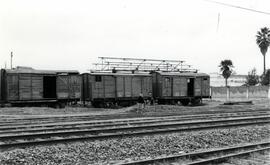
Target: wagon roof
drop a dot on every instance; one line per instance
(34, 71)
(119, 74)
(182, 74)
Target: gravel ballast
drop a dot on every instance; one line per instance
(133, 148)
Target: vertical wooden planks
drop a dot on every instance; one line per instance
(109, 86)
(98, 86)
(167, 86)
(12, 87)
(88, 85)
(128, 87)
(146, 86)
(62, 87)
(37, 87)
(25, 87)
(176, 86)
(91, 83)
(198, 86)
(183, 86)
(205, 86)
(120, 86)
(74, 86)
(136, 86)
(159, 85)
(68, 86)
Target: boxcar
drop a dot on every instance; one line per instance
(27, 86)
(106, 89)
(171, 87)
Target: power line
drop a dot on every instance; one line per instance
(239, 7)
(218, 22)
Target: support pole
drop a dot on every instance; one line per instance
(11, 56)
(228, 93)
(247, 92)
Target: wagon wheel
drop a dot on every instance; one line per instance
(184, 102)
(173, 102)
(95, 104)
(196, 101)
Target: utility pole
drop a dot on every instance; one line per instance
(11, 56)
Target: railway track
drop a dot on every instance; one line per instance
(28, 128)
(205, 157)
(113, 130)
(43, 120)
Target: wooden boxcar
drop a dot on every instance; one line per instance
(105, 89)
(171, 87)
(26, 86)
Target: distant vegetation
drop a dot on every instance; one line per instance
(265, 78)
(253, 79)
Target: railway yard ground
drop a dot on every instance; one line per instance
(80, 135)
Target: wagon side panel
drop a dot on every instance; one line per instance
(62, 83)
(89, 86)
(109, 86)
(147, 86)
(128, 86)
(74, 87)
(25, 87)
(37, 87)
(198, 87)
(1, 91)
(206, 86)
(136, 86)
(167, 86)
(120, 86)
(176, 86)
(97, 86)
(3, 88)
(183, 86)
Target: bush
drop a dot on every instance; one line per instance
(265, 79)
(252, 78)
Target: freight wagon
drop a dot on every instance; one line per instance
(27, 86)
(107, 89)
(186, 87)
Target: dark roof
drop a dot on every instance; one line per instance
(187, 74)
(29, 70)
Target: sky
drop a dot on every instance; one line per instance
(72, 34)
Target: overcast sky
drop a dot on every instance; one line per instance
(72, 34)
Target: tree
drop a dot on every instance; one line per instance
(226, 69)
(263, 41)
(252, 78)
(265, 78)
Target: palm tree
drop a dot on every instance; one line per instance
(226, 69)
(263, 41)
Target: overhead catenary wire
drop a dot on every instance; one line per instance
(239, 7)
